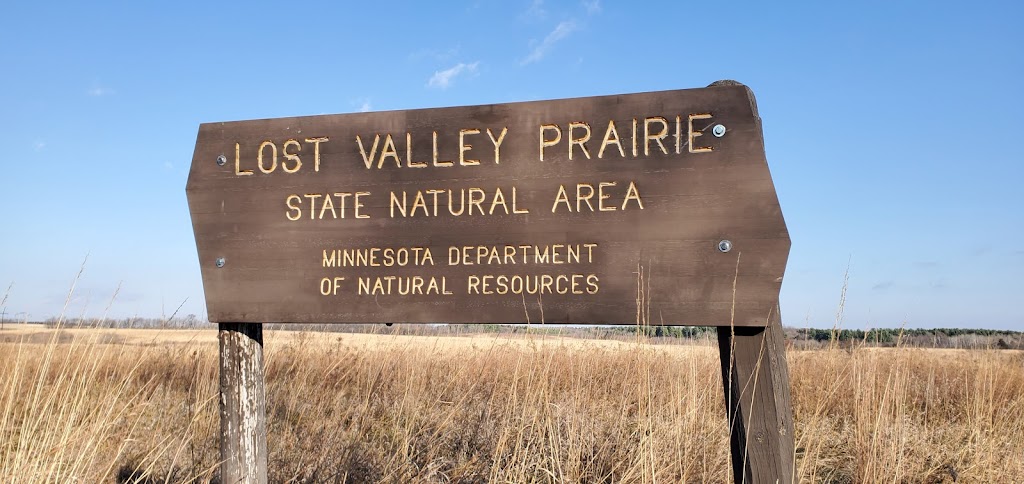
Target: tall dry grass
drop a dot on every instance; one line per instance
(79, 409)
(91, 406)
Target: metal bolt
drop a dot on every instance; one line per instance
(725, 246)
(222, 160)
(718, 130)
(220, 262)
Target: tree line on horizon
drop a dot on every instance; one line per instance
(799, 338)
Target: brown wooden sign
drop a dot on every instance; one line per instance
(655, 208)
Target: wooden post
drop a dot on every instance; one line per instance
(243, 429)
(756, 382)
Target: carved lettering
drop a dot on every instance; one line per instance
(605, 198)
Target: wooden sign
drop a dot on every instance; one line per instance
(653, 208)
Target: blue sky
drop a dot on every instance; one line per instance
(892, 128)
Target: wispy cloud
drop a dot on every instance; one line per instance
(536, 10)
(443, 79)
(39, 145)
(361, 104)
(98, 91)
(593, 6)
(562, 30)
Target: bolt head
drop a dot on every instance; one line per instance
(222, 160)
(718, 130)
(725, 246)
(220, 262)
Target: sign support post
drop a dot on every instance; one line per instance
(756, 382)
(243, 404)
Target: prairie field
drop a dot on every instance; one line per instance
(120, 405)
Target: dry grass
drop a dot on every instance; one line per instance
(134, 405)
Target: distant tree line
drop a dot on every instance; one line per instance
(926, 338)
(798, 338)
(174, 322)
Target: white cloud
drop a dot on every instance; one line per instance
(592, 6)
(536, 10)
(443, 79)
(360, 104)
(100, 91)
(561, 31)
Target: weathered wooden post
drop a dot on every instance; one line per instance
(756, 382)
(243, 436)
(624, 209)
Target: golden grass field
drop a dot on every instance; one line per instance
(141, 406)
